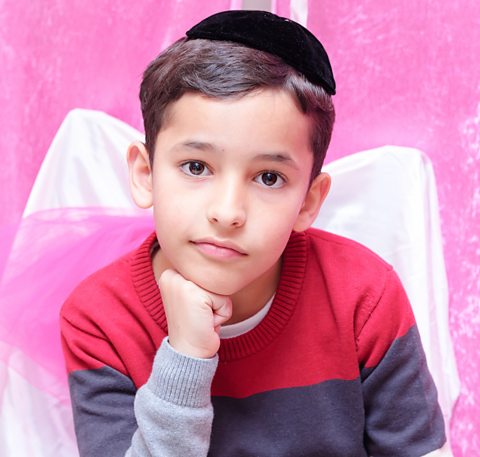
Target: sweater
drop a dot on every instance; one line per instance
(336, 367)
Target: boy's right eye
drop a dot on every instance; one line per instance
(194, 168)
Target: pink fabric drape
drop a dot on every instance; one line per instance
(52, 252)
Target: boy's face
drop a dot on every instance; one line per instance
(230, 182)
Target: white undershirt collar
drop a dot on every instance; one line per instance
(233, 330)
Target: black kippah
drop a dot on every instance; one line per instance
(265, 31)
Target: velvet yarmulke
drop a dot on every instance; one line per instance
(279, 36)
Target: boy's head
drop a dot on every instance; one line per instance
(239, 137)
(234, 53)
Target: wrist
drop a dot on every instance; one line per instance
(181, 380)
(187, 349)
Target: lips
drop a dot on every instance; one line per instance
(219, 248)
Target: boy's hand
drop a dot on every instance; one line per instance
(194, 316)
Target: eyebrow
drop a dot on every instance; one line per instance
(200, 145)
(278, 157)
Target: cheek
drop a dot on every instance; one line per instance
(278, 216)
(175, 207)
(271, 234)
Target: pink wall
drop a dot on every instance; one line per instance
(408, 73)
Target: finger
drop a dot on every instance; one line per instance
(222, 309)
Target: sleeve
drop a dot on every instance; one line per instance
(402, 414)
(170, 415)
(173, 409)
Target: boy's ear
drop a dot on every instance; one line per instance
(140, 174)
(313, 201)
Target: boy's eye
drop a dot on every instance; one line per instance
(270, 179)
(195, 168)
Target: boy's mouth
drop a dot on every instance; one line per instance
(219, 248)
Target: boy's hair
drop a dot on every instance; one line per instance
(222, 69)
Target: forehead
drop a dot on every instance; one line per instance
(264, 120)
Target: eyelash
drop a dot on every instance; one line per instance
(274, 173)
(185, 167)
(190, 162)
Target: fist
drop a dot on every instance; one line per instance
(194, 315)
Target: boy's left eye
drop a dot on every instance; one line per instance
(270, 179)
(194, 168)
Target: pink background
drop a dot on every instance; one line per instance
(408, 73)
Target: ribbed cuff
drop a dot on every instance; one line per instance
(182, 380)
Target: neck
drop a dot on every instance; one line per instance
(253, 297)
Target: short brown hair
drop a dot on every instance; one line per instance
(222, 69)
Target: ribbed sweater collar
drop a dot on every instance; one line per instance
(294, 261)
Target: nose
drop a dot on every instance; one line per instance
(227, 205)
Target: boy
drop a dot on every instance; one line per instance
(235, 330)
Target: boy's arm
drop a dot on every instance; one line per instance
(173, 409)
(174, 406)
(402, 414)
(101, 394)
(173, 413)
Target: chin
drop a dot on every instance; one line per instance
(218, 287)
